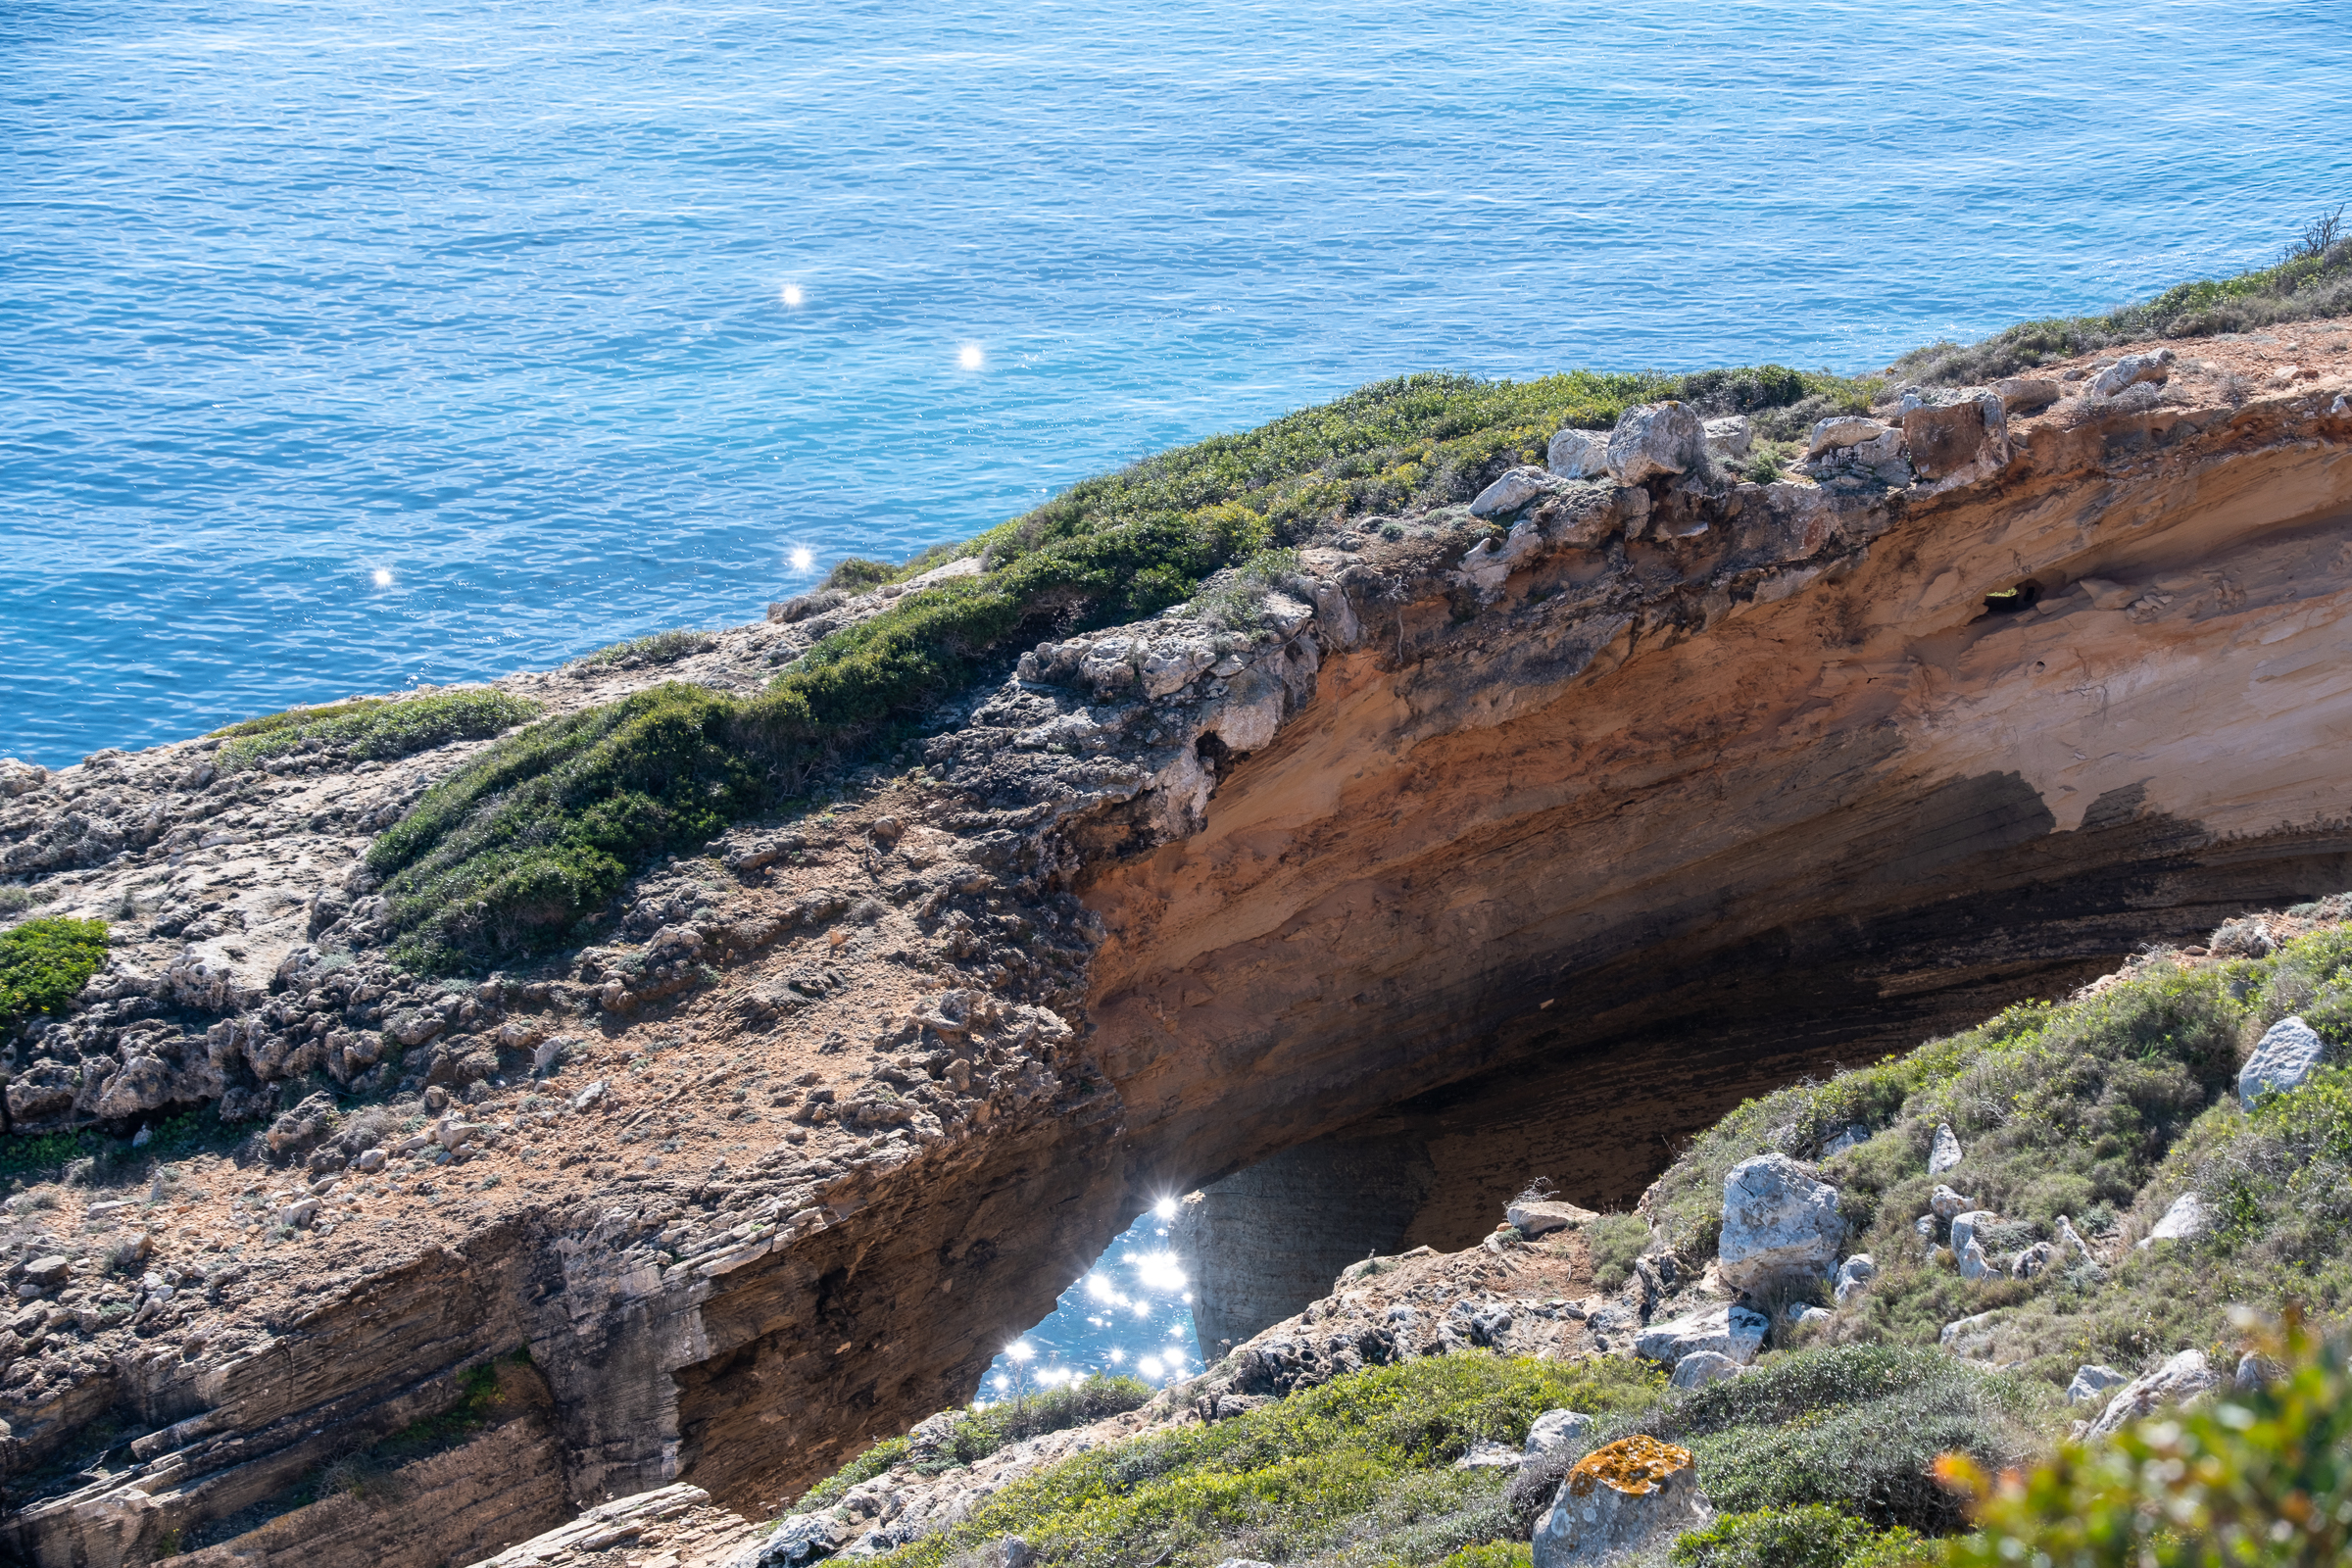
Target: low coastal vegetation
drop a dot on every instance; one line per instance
(508, 855)
(373, 728)
(648, 652)
(2313, 278)
(2095, 1116)
(43, 964)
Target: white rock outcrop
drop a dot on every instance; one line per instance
(1946, 1154)
(2188, 1217)
(2284, 1060)
(1555, 1430)
(2092, 1381)
(1853, 1275)
(1705, 1367)
(1727, 1330)
(2184, 1377)
(1777, 1221)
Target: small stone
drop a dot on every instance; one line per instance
(1947, 1153)
(2284, 1060)
(1852, 1275)
(1540, 1216)
(370, 1160)
(47, 1273)
(2031, 1262)
(435, 1098)
(1947, 1203)
(2022, 394)
(2092, 1381)
(591, 1097)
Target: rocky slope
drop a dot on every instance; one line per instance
(1525, 836)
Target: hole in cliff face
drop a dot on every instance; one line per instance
(1129, 1315)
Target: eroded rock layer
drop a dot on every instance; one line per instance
(1517, 841)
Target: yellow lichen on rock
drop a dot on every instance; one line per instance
(1638, 1465)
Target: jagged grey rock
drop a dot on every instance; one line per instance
(2031, 1262)
(1728, 436)
(1540, 1216)
(1946, 1152)
(2284, 1060)
(1654, 439)
(1853, 1136)
(1510, 493)
(1965, 1226)
(2092, 1381)
(2184, 1377)
(1727, 1329)
(1853, 1275)
(1777, 1220)
(1577, 453)
(1593, 1521)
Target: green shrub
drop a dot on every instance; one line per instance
(372, 727)
(2311, 279)
(980, 1433)
(855, 575)
(2257, 1476)
(1616, 1240)
(45, 963)
(1491, 1555)
(1363, 1461)
(867, 1465)
(1812, 1536)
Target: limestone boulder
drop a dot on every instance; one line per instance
(1947, 1203)
(2284, 1060)
(1946, 1152)
(1955, 437)
(1555, 1430)
(2184, 1377)
(2131, 370)
(1577, 453)
(1728, 437)
(2186, 1218)
(1654, 440)
(1853, 1275)
(1540, 1216)
(1727, 1329)
(1619, 1500)
(1513, 490)
(2026, 394)
(1778, 1222)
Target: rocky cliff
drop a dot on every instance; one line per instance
(1526, 835)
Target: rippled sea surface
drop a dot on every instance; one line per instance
(344, 345)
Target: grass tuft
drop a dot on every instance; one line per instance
(649, 651)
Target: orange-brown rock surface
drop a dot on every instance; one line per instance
(1519, 845)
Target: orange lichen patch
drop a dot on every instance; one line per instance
(1637, 1464)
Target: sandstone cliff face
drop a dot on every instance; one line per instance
(1514, 846)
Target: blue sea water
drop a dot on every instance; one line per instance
(345, 344)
